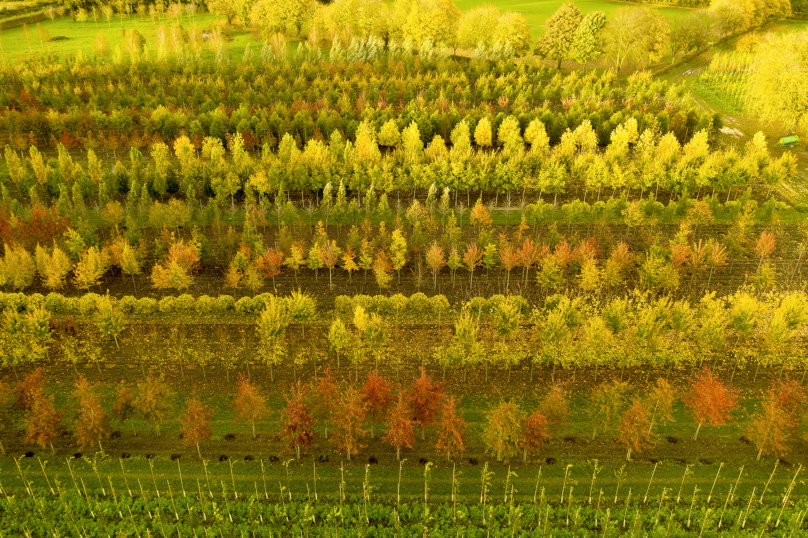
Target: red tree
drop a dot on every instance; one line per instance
(770, 428)
(92, 422)
(348, 417)
(790, 397)
(451, 430)
(400, 426)
(424, 398)
(298, 423)
(249, 405)
(535, 433)
(195, 423)
(509, 258)
(42, 420)
(271, 263)
(27, 389)
(710, 401)
(326, 397)
(634, 430)
(377, 396)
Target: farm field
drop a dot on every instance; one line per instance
(278, 283)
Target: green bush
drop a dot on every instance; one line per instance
(54, 302)
(35, 300)
(166, 304)
(205, 304)
(365, 301)
(418, 304)
(440, 304)
(88, 303)
(381, 305)
(185, 303)
(146, 305)
(71, 305)
(398, 303)
(301, 306)
(224, 303)
(127, 304)
(343, 304)
(246, 305)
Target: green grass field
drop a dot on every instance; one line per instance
(538, 11)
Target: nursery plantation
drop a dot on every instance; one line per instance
(290, 268)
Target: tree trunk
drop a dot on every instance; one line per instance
(628, 456)
(398, 453)
(253, 428)
(198, 451)
(697, 432)
(100, 447)
(53, 450)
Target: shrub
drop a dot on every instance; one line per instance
(418, 304)
(71, 305)
(439, 303)
(205, 304)
(54, 302)
(246, 305)
(127, 304)
(342, 304)
(398, 303)
(224, 303)
(381, 305)
(185, 303)
(365, 301)
(35, 300)
(88, 303)
(166, 304)
(146, 305)
(478, 305)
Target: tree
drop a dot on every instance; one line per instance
(272, 324)
(195, 423)
(26, 391)
(42, 420)
(586, 42)
(250, 406)
(400, 426)
(559, 33)
(123, 408)
(153, 400)
(422, 20)
(503, 430)
(451, 430)
(52, 267)
(608, 402)
(297, 424)
(710, 401)
(377, 396)
(6, 399)
(780, 81)
(770, 427)
(270, 263)
(109, 319)
(398, 251)
(424, 398)
(634, 432)
(436, 260)
(555, 407)
(348, 418)
(92, 422)
(535, 433)
(326, 396)
(279, 16)
(661, 399)
(472, 257)
(338, 337)
(640, 33)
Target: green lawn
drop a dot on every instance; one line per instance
(538, 11)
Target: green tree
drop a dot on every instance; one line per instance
(278, 16)
(422, 20)
(586, 43)
(109, 319)
(559, 33)
(504, 430)
(272, 325)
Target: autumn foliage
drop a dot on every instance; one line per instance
(400, 426)
(634, 430)
(535, 433)
(451, 430)
(92, 421)
(424, 398)
(377, 396)
(195, 423)
(710, 401)
(296, 420)
(250, 406)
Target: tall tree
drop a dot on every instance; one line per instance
(377, 395)
(607, 405)
(297, 424)
(559, 33)
(586, 42)
(250, 406)
(503, 430)
(710, 401)
(661, 399)
(400, 426)
(109, 319)
(348, 419)
(555, 407)
(281, 16)
(769, 428)
(451, 430)
(195, 423)
(42, 420)
(272, 324)
(123, 408)
(326, 397)
(634, 432)
(153, 400)
(25, 391)
(338, 337)
(535, 433)
(424, 398)
(92, 421)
